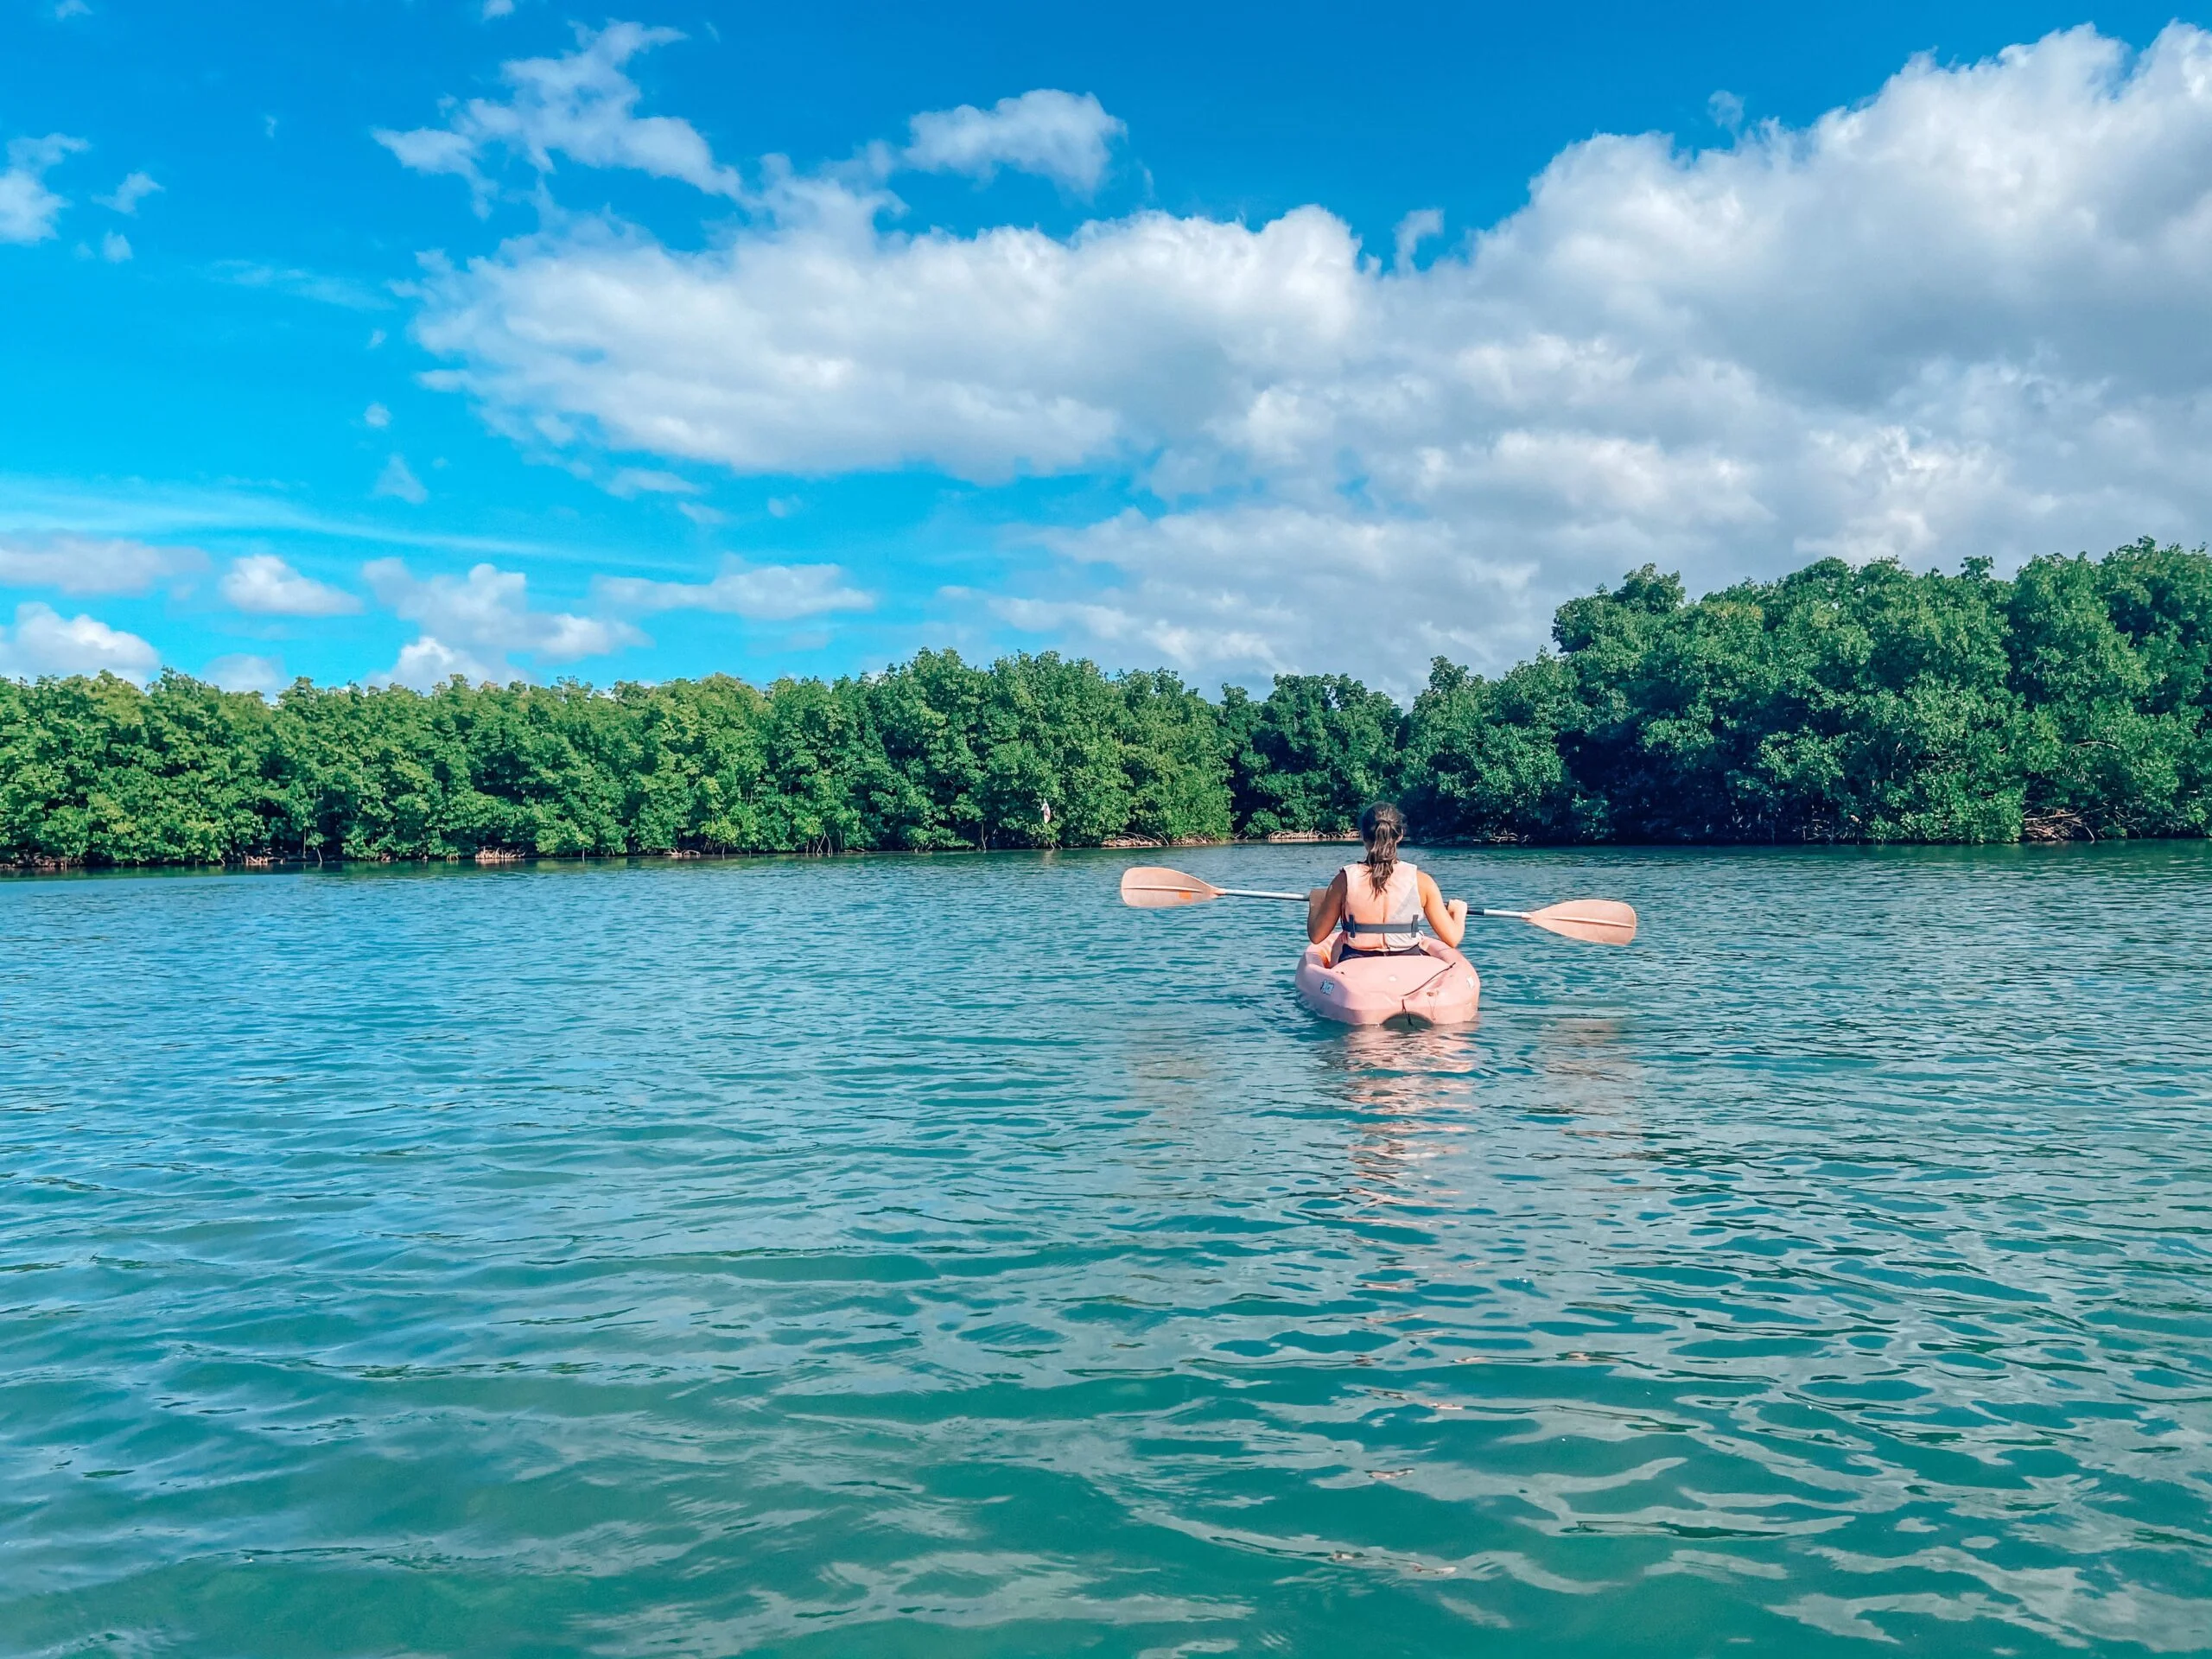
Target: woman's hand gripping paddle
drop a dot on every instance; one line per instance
(1600, 921)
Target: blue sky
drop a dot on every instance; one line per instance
(375, 339)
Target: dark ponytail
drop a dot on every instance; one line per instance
(1382, 827)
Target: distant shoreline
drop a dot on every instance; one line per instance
(539, 861)
(496, 858)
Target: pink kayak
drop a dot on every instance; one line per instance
(1437, 987)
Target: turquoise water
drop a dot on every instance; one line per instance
(928, 1257)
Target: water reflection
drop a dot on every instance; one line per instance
(1585, 1070)
(1417, 1095)
(1408, 1096)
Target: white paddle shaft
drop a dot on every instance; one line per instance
(1255, 893)
(1300, 898)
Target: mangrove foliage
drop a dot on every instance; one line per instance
(1859, 703)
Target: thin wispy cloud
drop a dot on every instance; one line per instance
(126, 196)
(133, 508)
(92, 565)
(398, 481)
(764, 593)
(322, 287)
(650, 480)
(581, 108)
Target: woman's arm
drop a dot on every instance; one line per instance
(1325, 907)
(1449, 920)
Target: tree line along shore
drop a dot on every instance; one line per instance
(1838, 703)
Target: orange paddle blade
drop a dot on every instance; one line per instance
(1149, 887)
(1601, 921)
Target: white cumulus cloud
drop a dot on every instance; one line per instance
(427, 662)
(582, 106)
(28, 208)
(43, 641)
(241, 672)
(472, 624)
(92, 565)
(762, 593)
(1057, 135)
(821, 344)
(264, 585)
(1972, 314)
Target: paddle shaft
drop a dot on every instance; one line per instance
(1300, 898)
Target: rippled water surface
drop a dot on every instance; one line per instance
(927, 1257)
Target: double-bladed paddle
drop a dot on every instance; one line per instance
(1600, 921)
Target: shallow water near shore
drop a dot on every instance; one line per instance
(925, 1256)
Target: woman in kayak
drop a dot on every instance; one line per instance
(1382, 889)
